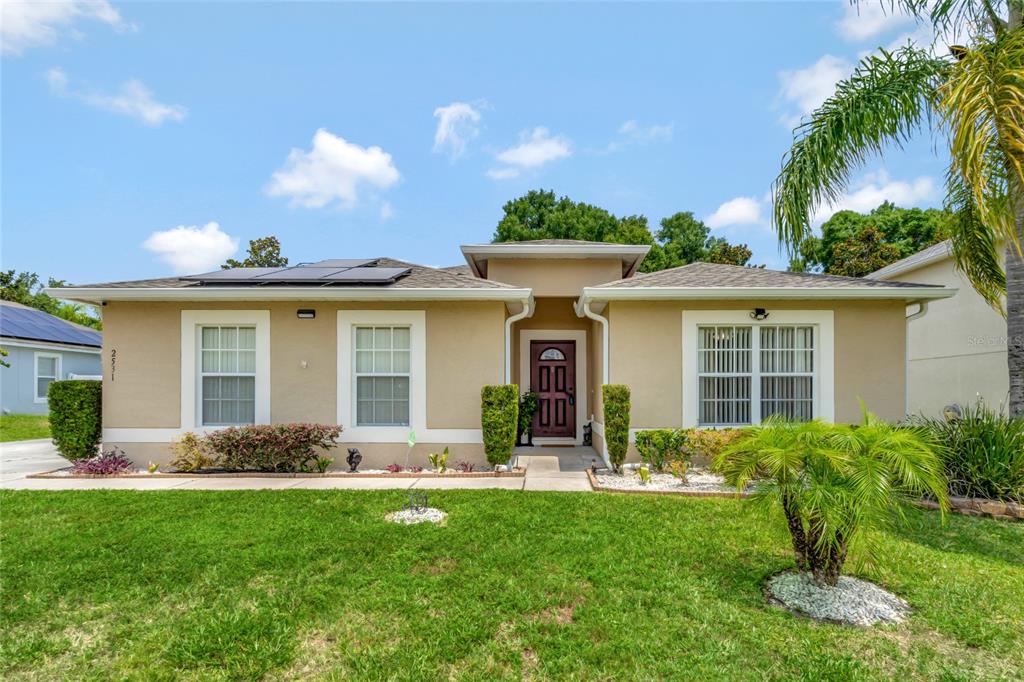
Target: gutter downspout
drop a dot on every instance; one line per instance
(527, 311)
(583, 310)
(922, 310)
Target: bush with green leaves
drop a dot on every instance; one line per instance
(271, 447)
(659, 447)
(190, 453)
(76, 417)
(499, 417)
(616, 422)
(707, 444)
(528, 403)
(983, 453)
(835, 484)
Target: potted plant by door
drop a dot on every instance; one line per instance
(527, 408)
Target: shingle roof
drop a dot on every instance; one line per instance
(21, 322)
(419, 277)
(463, 270)
(923, 257)
(705, 275)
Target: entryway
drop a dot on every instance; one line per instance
(553, 378)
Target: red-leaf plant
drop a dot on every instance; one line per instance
(271, 447)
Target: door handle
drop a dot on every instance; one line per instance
(572, 398)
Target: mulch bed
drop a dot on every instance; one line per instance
(56, 474)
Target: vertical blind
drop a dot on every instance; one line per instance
(382, 376)
(228, 372)
(749, 372)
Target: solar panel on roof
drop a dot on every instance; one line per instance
(370, 275)
(231, 274)
(28, 323)
(340, 263)
(297, 274)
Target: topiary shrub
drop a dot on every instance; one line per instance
(271, 447)
(499, 417)
(76, 417)
(616, 422)
(658, 447)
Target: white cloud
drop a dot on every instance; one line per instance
(503, 173)
(456, 125)
(632, 132)
(334, 170)
(191, 249)
(133, 99)
(865, 20)
(536, 148)
(876, 188)
(32, 23)
(738, 211)
(808, 88)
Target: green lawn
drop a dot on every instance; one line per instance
(23, 427)
(286, 584)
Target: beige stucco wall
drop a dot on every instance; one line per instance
(646, 354)
(465, 350)
(554, 277)
(958, 349)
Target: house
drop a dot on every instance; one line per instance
(41, 348)
(385, 347)
(957, 352)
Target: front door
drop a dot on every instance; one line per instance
(553, 378)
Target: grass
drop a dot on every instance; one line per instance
(23, 427)
(314, 584)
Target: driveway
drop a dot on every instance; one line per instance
(21, 458)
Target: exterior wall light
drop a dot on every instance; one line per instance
(759, 314)
(306, 313)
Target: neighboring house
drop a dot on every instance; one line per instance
(384, 347)
(957, 352)
(42, 348)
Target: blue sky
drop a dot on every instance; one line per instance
(144, 139)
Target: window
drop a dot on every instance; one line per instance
(746, 373)
(552, 354)
(47, 371)
(227, 375)
(382, 371)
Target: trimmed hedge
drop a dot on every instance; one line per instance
(271, 447)
(616, 422)
(499, 417)
(659, 447)
(76, 417)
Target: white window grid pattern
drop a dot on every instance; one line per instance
(747, 372)
(227, 374)
(382, 371)
(47, 377)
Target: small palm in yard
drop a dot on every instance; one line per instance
(834, 483)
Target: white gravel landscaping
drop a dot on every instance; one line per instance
(852, 601)
(697, 480)
(411, 516)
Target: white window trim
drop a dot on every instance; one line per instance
(582, 393)
(824, 356)
(35, 373)
(191, 321)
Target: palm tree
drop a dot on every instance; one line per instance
(834, 483)
(975, 98)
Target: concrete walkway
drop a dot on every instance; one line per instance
(543, 472)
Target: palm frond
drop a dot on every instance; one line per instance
(982, 100)
(975, 247)
(885, 101)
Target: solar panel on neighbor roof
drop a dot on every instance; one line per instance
(26, 323)
(297, 274)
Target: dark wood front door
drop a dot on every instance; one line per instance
(553, 378)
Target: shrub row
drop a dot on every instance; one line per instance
(257, 447)
(661, 447)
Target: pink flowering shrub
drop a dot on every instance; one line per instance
(271, 447)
